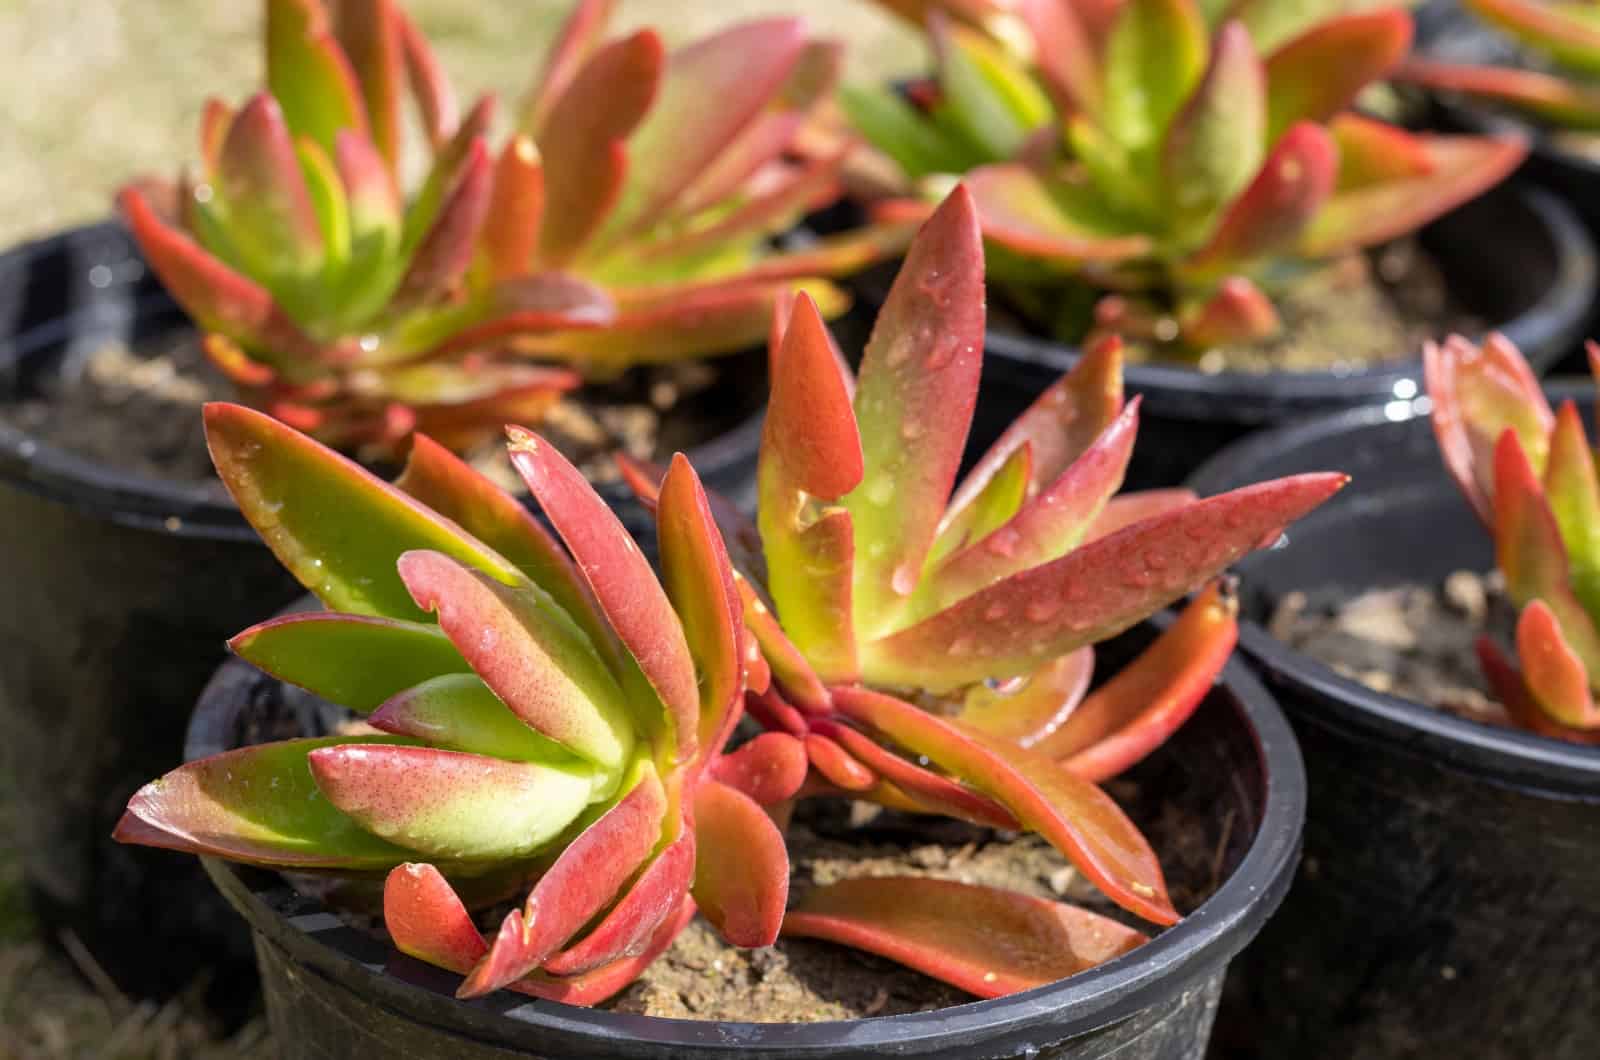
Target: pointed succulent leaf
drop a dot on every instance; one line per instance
(769, 768)
(923, 790)
(368, 33)
(1128, 508)
(535, 309)
(699, 582)
(711, 91)
(1319, 73)
(457, 712)
(355, 661)
(529, 652)
(1372, 151)
(1478, 392)
(257, 805)
(789, 667)
(897, 128)
(335, 526)
(1076, 817)
(1066, 55)
(618, 574)
(436, 100)
(1153, 60)
(999, 498)
(809, 449)
(741, 873)
(585, 160)
(1025, 213)
(1567, 32)
(1508, 686)
(738, 530)
(580, 34)
(1049, 525)
(915, 396)
(308, 73)
(1061, 423)
(1218, 139)
(1273, 23)
(627, 928)
(1288, 190)
(445, 172)
(1529, 550)
(594, 987)
(586, 877)
(1463, 168)
(441, 259)
(1574, 495)
(215, 296)
(454, 489)
(447, 804)
(1236, 312)
(1133, 713)
(989, 96)
(984, 940)
(328, 200)
(1550, 97)
(1030, 712)
(517, 210)
(270, 214)
(1091, 593)
(1551, 669)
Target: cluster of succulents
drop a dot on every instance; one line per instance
(627, 219)
(1561, 87)
(1184, 160)
(534, 712)
(1530, 475)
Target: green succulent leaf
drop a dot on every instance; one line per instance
(993, 100)
(1153, 59)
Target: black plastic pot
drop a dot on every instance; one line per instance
(1448, 904)
(334, 992)
(1517, 257)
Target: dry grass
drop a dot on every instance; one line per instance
(96, 91)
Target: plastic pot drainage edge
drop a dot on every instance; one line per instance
(1449, 897)
(339, 991)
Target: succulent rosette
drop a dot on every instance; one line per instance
(1187, 160)
(628, 219)
(533, 713)
(931, 645)
(1529, 473)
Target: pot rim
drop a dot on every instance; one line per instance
(1505, 755)
(1542, 330)
(1201, 943)
(142, 501)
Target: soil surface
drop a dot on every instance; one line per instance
(1358, 311)
(1412, 641)
(137, 408)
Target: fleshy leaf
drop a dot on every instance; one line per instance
(589, 873)
(517, 208)
(627, 929)
(1076, 817)
(915, 395)
(355, 661)
(1567, 32)
(1288, 190)
(1125, 509)
(1024, 213)
(1000, 498)
(335, 526)
(457, 712)
(1091, 593)
(1371, 151)
(1133, 713)
(1478, 392)
(1463, 168)
(1153, 59)
(577, 40)
(741, 878)
(308, 73)
(436, 102)
(991, 98)
(441, 259)
(1555, 676)
(618, 574)
(769, 768)
(986, 941)
(1574, 496)
(370, 37)
(699, 582)
(837, 765)
(270, 216)
(927, 791)
(1029, 713)
(1320, 72)
(529, 652)
(1217, 141)
(1236, 312)
(256, 805)
(447, 804)
(789, 666)
(1550, 97)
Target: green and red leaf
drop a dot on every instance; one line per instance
(741, 878)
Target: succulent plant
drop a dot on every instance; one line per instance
(1564, 37)
(1530, 475)
(627, 220)
(532, 713)
(898, 624)
(1185, 159)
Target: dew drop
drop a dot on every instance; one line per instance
(904, 579)
(1043, 609)
(961, 646)
(880, 490)
(995, 611)
(1003, 542)
(910, 430)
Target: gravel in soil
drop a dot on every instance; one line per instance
(1412, 641)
